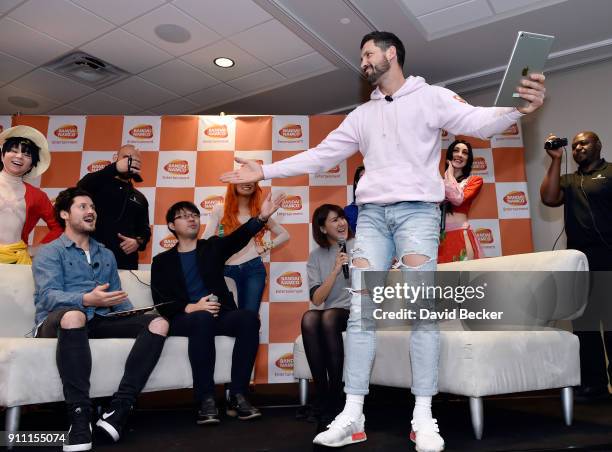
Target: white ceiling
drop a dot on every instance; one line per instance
(292, 56)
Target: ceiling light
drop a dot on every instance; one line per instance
(224, 62)
(345, 21)
(24, 102)
(172, 33)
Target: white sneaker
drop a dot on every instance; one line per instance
(425, 435)
(342, 431)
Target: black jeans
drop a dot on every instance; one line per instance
(201, 328)
(73, 355)
(593, 369)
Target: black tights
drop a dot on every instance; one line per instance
(322, 336)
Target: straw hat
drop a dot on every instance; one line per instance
(38, 139)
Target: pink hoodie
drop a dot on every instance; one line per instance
(400, 142)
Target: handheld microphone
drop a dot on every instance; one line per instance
(345, 267)
(388, 98)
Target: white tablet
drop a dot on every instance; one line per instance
(528, 56)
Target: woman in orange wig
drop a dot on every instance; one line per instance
(246, 268)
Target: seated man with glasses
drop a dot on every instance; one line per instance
(189, 275)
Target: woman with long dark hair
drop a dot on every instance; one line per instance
(322, 326)
(246, 268)
(458, 241)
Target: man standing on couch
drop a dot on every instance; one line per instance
(189, 274)
(398, 133)
(76, 286)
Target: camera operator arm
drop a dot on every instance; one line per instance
(550, 190)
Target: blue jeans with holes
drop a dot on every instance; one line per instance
(250, 278)
(383, 232)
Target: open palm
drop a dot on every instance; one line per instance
(250, 171)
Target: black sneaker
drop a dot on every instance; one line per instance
(79, 433)
(240, 407)
(113, 420)
(208, 412)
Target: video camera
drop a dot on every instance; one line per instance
(555, 143)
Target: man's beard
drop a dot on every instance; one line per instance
(377, 71)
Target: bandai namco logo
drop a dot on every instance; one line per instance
(142, 131)
(293, 202)
(291, 280)
(479, 164)
(516, 198)
(292, 131)
(484, 235)
(285, 362)
(334, 170)
(211, 201)
(216, 131)
(67, 132)
(177, 166)
(168, 242)
(512, 130)
(97, 165)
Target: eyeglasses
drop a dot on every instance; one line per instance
(187, 216)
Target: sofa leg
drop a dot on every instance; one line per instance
(11, 424)
(477, 414)
(567, 401)
(303, 391)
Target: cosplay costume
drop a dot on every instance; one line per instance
(22, 204)
(453, 245)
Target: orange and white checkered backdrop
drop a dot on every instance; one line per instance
(183, 157)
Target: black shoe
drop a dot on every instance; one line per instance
(208, 412)
(79, 434)
(240, 407)
(590, 393)
(113, 420)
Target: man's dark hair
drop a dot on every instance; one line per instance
(26, 146)
(467, 169)
(383, 40)
(63, 202)
(176, 208)
(318, 220)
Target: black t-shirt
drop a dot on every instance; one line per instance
(588, 208)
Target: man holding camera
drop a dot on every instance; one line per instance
(587, 197)
(123, 211)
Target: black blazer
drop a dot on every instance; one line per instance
(168, 282)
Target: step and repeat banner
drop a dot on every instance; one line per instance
(183, 157)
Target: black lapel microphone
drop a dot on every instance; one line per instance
(388, 98)
(345, 267)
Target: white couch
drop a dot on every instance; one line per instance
(482, 363)
(28, 373)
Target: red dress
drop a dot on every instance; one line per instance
(453, 245)
(38, 206)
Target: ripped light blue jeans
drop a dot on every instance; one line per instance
(383, 232)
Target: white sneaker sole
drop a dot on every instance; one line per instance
(109, 429)
(358, 437)
(76, 447)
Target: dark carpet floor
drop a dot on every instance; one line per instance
(533, 422)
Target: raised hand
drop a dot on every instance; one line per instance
(268, 207)
(250, 171)
(533, 91)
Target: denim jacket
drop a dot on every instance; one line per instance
(62, 276)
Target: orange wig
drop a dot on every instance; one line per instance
(230, 220)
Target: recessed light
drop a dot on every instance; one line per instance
(224, 62)
(172, 33)
(345, 21)
(25, 102)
